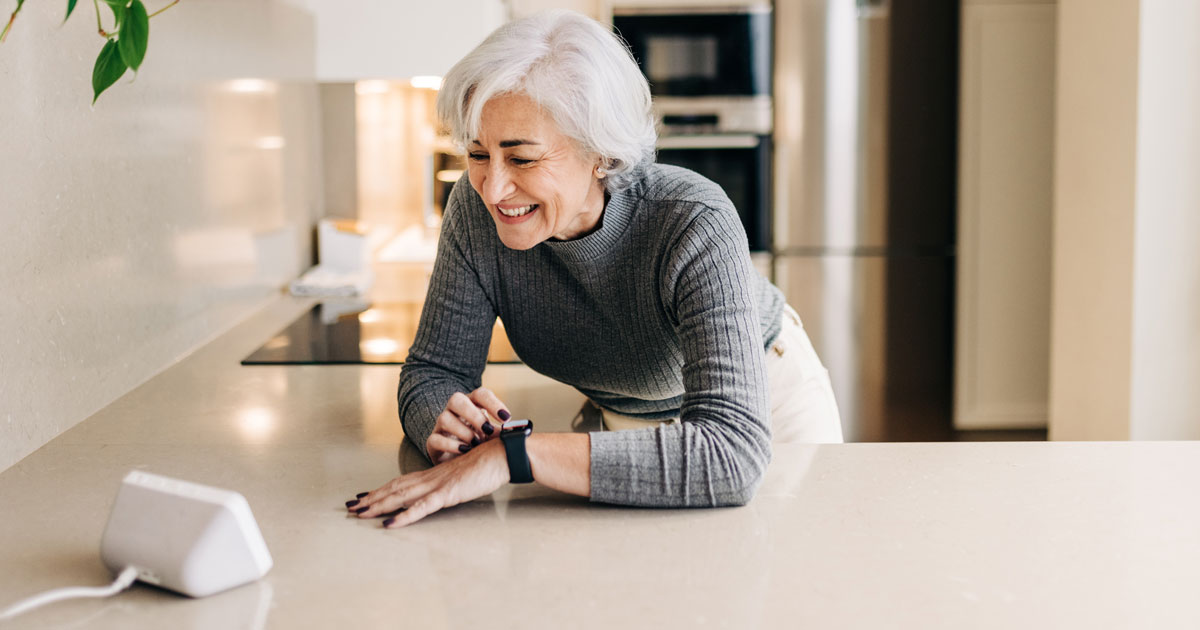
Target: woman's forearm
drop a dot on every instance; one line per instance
(561, 461)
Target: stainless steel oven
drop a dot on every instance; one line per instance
(740, 164)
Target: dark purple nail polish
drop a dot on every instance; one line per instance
(463, 448)
(351, 503)
(504, 415)
(474, 441)
(487, 427)
(361, 495)
(388, 522)
(362, 509)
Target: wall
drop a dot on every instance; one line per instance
(1165, 391)
(1126, 286)
(339, 148)
(1092, 283)
(135, 231)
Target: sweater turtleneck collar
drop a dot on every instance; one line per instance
(618, 215)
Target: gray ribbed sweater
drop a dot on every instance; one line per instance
(658, 313)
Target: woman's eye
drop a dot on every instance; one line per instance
(521, 161)
(477, 157)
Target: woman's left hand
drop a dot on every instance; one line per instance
(481, 471)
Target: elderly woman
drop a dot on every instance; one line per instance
(629, 280)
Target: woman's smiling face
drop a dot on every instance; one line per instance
(536, 182)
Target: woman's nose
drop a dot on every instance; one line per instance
(497, 184)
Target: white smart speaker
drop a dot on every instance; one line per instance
(193, 539)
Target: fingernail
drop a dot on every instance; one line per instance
(474, 441)
(352, 503)
(361, 495)
(362, 509)
(388, 522)
(504, 415)
(488, 428)
(463, 448)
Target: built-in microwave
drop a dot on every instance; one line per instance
(700, 50)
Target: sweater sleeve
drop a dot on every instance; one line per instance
(451, 345)
(719, 452)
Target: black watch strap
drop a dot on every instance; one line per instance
(513, 434)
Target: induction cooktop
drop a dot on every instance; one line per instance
(351, 332)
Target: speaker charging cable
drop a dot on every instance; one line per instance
(124, 579)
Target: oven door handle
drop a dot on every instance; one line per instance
(711, 141)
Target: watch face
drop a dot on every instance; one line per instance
(517, 426)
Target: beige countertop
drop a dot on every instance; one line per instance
(955, 535)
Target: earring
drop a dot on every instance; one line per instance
(600, 173)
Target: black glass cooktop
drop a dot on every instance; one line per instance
(342, 332)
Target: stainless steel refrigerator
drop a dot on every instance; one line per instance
(865, 163)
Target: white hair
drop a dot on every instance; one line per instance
(574, 68)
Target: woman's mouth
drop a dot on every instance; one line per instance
(515, 213)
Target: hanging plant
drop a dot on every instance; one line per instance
(124, 45)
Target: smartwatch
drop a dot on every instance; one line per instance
(513, 434)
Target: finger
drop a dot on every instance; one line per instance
(364, 501)
(451, 424)
(467, 412)
(440, 445)
(405, 495)
(462, 406)
(489, 401)
(418, 510)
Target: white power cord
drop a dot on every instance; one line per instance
(124, 579)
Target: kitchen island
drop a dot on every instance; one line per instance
(950, 535)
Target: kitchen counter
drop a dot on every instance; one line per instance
(952, 535)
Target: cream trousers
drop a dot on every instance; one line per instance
(802, 404)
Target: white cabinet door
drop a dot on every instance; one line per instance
(596, 9)
(397, 39)
(1005, 207)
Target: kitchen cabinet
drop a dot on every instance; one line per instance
(386, 39)
(597, 9)
(1006, 144)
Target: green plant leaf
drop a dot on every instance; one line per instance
(118, 11)
(70, 8)
(109, 68)
(135, 33)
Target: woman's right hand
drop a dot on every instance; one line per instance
(465, 422)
